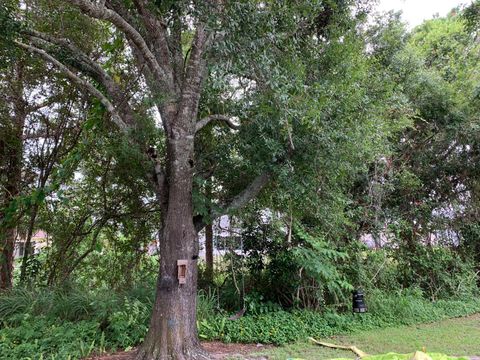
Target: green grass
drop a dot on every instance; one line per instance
(460, 336)
(304, 351)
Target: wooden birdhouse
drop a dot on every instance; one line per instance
(182, 271)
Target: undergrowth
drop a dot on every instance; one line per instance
(59, 324)
(283, 327)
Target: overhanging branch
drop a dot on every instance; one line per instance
(83, 63)
(116, 118)
(239, 201)
(103, 13)
(250, 192)
(206, 120)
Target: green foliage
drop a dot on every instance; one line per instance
(9, 28)
(74, 322)
(472, 15)
(255, 304)
(299, 272)
(207, 304)
(280, 327)
(318, 259)
(128, 326)
(371, 269)
(70, 323)
(39, 339)
(361, 128)
(439, 272)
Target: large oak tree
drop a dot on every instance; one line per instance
(281, 92)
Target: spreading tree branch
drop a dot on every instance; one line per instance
(250, 192)
(239, 201)
(103, 13)
(116, 118)
(206, 120)
(157, 36)
(91, 68)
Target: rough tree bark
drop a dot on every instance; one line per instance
(173, 333)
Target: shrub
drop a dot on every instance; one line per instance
(280, 327)
(40, 338)
(127, 327)
(57, 325)
(439, 271)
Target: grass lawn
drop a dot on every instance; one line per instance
(459, 336)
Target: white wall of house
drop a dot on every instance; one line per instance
(39, 241)
(225, 232)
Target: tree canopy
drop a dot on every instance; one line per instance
(126, 121)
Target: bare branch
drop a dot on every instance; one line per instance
(239, 201)
(206, 120)
(116, 118)
(103, 13)
(250, 192)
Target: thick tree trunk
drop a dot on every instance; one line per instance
(173, 330)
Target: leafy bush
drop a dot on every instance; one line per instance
(64, 304)
(439, 271)
(370, 269)
(127, 327)
(39, 338)
(59, 324)
(255, 304)
(302, 272)
(280, 327)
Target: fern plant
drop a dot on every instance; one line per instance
(318, 262)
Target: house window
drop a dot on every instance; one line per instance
(20, 249)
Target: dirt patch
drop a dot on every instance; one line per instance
(218, 350)
(123, 355)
